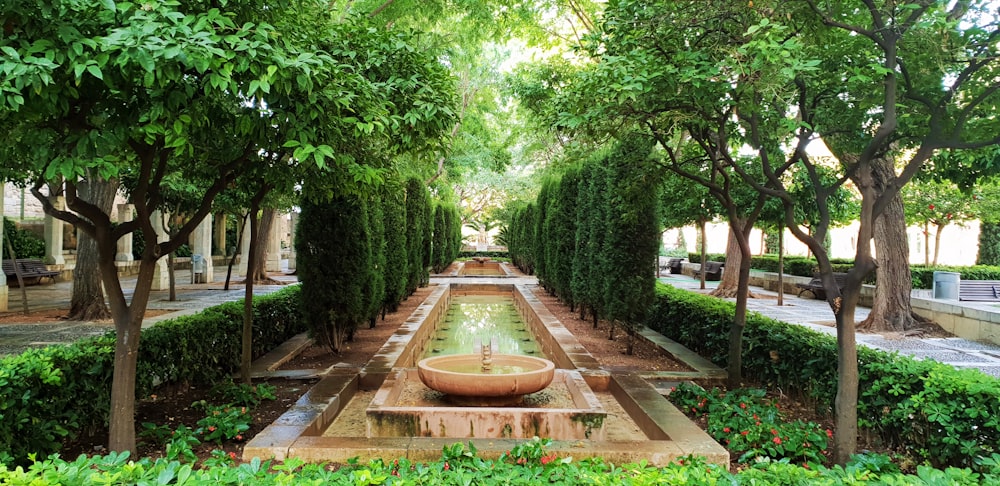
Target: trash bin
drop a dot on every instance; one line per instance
(197, 268)
(946, 285)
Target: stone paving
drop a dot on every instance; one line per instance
(817, 315)
(16, 336)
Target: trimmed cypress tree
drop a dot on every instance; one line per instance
(989, 244)
(427, 206)
(583, 248)
(396, 264)
(540, 236)
(562, 235)
(632, 236)
(596, 234)
(375, 287)
(415, 223)
(439, 246)
(334, 267)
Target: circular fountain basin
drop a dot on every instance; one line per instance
(510, 378)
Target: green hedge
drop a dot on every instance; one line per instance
(489, 254)
(932, 411)
(922, 276)
(62, 391)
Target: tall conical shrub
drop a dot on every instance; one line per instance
(989, 244)
(334, 266)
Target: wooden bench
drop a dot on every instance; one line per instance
(674, 265)
(32, 271)
(979, 290)
(713, 270)
(816, 285)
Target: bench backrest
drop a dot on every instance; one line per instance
(983, 290)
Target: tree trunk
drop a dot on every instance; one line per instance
(128, 325)
(781, 265)
(845, 442)
(247, 350)
(927, 243)
(937, 242)
(232, 259)
(87, 301)
(704, 250)
(259, 252)
(891, 309)
(730, 283)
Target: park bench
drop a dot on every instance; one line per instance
(816, 285)
(713, 270)
(32, 271)
(979, 290)
(674, 264)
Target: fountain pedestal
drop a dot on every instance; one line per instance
(394, 412)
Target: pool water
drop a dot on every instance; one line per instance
(482, 318)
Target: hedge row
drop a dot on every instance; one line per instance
(62, 391)
(933, 411)
(922, 276)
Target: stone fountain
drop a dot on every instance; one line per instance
(486, 379)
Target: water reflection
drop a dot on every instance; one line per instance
(475, 318)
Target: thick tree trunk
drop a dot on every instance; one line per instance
(891, 309)
(845, 442)
(128, 325)
(87, 301)
(259, 252)
(730, 283)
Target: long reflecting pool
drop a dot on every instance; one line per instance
(472, 319)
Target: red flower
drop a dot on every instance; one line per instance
(743, 406)
(447, 467)
(232, 455)
(829, 433)
(776, 440)
(239, 437)
(211, 428)
(726, 430)
(930, 206)
(745, 432)
(774, 432)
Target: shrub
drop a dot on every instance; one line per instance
(26, 244)
(52, 393)
(935, 412)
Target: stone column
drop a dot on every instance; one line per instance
(241, 269)
(220, 234)
(126, 212)
(292, 223)
(201, 243)
(3, 254)
(161, 279)
(273, 263)
(54, 235)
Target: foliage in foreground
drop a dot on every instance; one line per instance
(529, 463)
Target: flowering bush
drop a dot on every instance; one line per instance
(225, 422)
(752, 426)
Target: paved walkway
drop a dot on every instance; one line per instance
(817, 315)
(16, 336)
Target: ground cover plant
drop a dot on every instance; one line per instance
(751, 427)
(529, 463)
